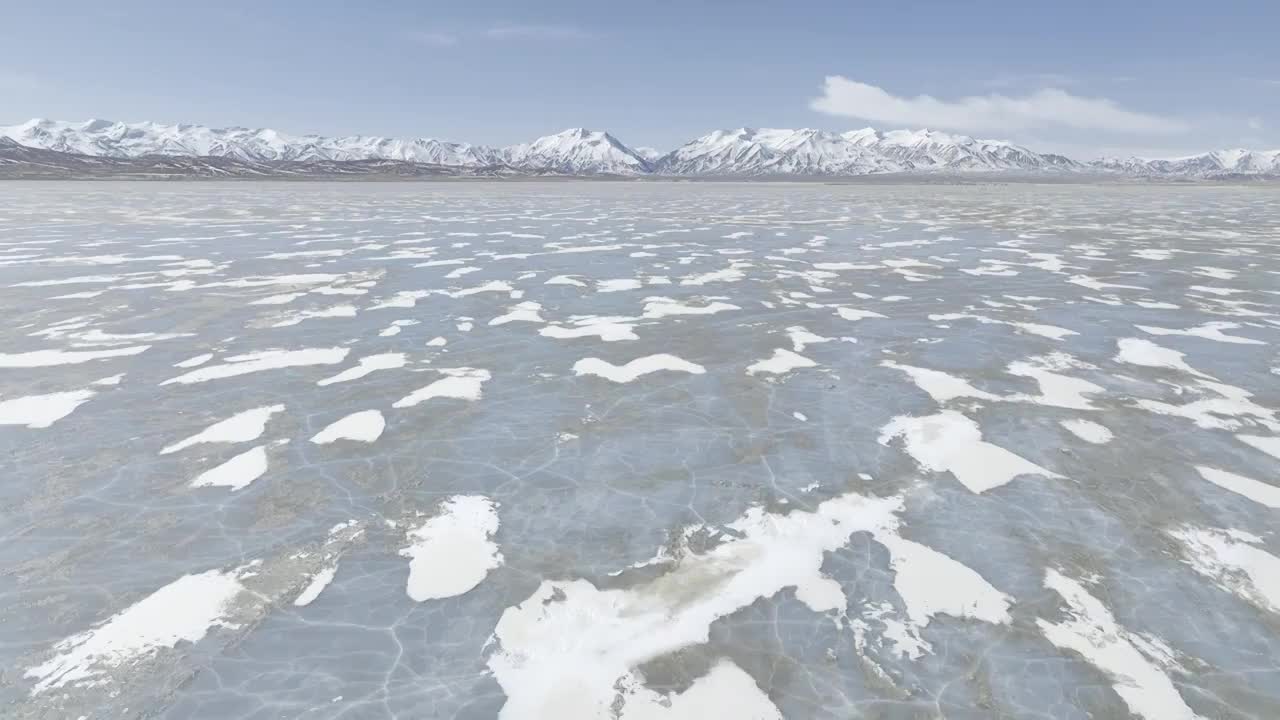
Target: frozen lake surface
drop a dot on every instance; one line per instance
(639, 451)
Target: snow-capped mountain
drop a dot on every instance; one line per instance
(767, 151)
(577, 152)
(860, 152)
(104, 138)
(1204, 165)
(743, 152)
(930, 150)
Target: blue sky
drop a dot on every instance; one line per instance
(1080, 77)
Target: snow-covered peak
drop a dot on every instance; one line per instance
(865, 136)
(577, 151)
(109, 138)
(807, 151)
(1235, 161)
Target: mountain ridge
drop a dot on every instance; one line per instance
(741, 152)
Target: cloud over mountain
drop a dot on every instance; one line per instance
(994, 112)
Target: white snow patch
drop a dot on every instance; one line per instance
(241, 427)
(931, 583)
(196, 361)
(659, 307)
(618, 285)
(1056, 389)
(459, 384)
(318, 583)
(527, 311)
(565, 280)
(491, 286)
(363, 426)
(452, 552)
(1088, 431)
(336, 311)
(1092, 631)
(802, 338)
(951, 442)
(183, 610)
(1208, 331)
(402, 299)
(1230, 560)
(1137, 351)
(782, 361)
(41, 411)
(730, 274)
(1259, 492)
(46, 358)
(570, 650)
(366, 365)
(1219, 412)
(608, 329)
(260, 361)
(853, 314)
(237, 472)
(635, 368)
(942, 387)
(1268, 445)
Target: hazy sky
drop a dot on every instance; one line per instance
(1080, 77)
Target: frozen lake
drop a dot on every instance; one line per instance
(639, 450)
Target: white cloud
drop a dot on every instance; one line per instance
(1254, 123)
(1043, 108)
(435, 39)
(544, 32)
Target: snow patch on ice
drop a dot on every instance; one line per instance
(364, 426)
(1257, 491)
(182, 611)
(366, 365)
(237, 472)
(781, 362)
(241, 427)
(458, 383)
(260, 361)
(1088, 431)
(41, 411)
(951, 442)
(451, 553)
(1092, 631)
(634, 369)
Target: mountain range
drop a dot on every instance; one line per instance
(146, 148)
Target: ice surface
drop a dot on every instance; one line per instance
(639, 450)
